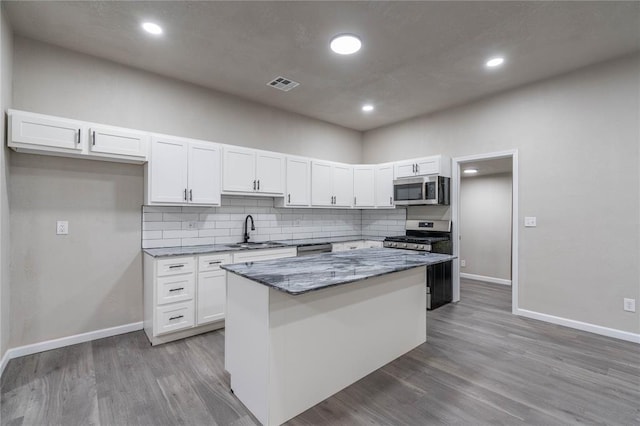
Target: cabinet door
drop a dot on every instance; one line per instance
(239, 169)
(405, 169)
(204, 173)
(270, 172)
(212, 296)
(119, 142)
(37, 131)
(298, 182)
(384, 185)
(363, 186)
(428, 166)
(168, 171)
(321, 183)
(343, 185)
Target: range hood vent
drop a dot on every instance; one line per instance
(283, 83)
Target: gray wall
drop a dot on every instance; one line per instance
(485, 225)
(92, 278)
(578, 139)
(6, 68)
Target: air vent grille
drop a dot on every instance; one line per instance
(283, 83)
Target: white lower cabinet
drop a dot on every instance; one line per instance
(212, 288)
(187, 295)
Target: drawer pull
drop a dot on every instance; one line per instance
(176, 266)
(215, 262)
(176, 289)
(176, 317)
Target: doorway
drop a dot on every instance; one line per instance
(504, 167)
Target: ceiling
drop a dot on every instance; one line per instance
(416, 58)
(487, 167)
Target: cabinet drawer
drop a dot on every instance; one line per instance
(174, 317)
(257, 255)
(175, 265)
(212, 262)
(373, 244)
(175, 288)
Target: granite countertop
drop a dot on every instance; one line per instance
(299, 275)
(195, 250)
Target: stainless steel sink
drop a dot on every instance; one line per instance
(264, 245)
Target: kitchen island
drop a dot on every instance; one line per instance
(299, 330)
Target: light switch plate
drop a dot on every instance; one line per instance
(630, 305)
(62, 227)
(530, 221)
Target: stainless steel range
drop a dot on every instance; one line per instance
(433, 236)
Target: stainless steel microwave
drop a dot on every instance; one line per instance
(423, 190)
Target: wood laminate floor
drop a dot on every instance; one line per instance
(480, 365)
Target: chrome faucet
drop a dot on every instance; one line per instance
(246, 231)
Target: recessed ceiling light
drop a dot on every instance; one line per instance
(152, 28)
(345, 44)
(367, 108)
(470, 171)
(495, 62)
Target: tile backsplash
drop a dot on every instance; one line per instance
(189, 226)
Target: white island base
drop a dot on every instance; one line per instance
(286, 353)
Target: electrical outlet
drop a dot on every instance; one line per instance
(630, 305)
(463, 263)
(530, 221)
(62, 227)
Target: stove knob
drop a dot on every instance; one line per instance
(404, 245)
(394, 244)
(421, 247)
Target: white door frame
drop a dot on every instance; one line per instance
(455, 197)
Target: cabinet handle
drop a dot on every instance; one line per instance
(254, 185)
(176, 317)
(94, 138)
(355, 201)
(258, 184)
(215, 262)
(418, 168)
(79, 135)
(414, 168)
(288, 198)
(176, 266)
(390, 201)
(176, 289)
(185, 194)
(191, 195)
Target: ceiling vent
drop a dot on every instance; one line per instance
(282, 83)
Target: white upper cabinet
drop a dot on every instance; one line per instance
(183, 171)
(251, 171)
(204, 173)
(298, 182)
(270, 172)
(239, 169)
(343, 185)
(331, 184)
(321, 183)
(434, 165)
(31, 131)
(384, 185)
(363, 186)
(44, 134)
(114, 141)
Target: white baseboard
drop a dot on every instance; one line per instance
(67, 341)
(485, 279)
(579, 325)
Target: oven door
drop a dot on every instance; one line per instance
(409, 191)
